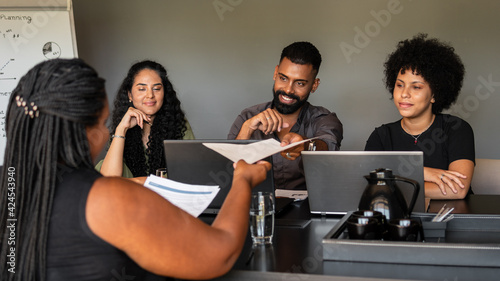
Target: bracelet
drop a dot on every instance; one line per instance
(117, 136)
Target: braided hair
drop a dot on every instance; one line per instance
(47, 115)
(169, 123)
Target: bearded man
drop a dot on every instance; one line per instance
(289, 117)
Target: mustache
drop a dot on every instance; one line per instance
(292, 96)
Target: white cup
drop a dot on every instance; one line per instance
(262, 217)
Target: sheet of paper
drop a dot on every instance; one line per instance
(295, 194)
(251, 152)
(193, 199)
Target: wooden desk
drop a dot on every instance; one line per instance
(296, 253)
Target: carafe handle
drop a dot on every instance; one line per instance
(416, 189)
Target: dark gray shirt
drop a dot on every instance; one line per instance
(313, 121)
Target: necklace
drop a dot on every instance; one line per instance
(413, 136)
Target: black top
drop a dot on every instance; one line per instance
(74, 252)
(448, 139)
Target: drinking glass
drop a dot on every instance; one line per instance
(262, 217)
(162, 173)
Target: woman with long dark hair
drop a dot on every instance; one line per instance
(62, 220)
(147, 111)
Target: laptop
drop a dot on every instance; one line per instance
(189, 161)
(335, 179)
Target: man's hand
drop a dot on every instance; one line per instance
(294, 152)
(268, 121)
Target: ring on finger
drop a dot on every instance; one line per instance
(267, 118)
(288, 155)
(441, 178)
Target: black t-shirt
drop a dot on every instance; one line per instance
(74, 252)
(448, 139)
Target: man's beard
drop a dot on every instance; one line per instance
(285, 108)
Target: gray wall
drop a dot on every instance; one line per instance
(221, 54)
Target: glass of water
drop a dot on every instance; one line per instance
(162, 173)
(262, 217)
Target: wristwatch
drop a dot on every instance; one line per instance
(311, 146)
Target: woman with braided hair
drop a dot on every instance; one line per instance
(147, 111)
(62, 220)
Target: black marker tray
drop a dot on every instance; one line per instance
(468, 240)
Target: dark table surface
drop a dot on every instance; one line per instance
(297, 252)
(474, 204)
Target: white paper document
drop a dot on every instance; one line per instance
(193, 199)
(251, 152)
(295, 194)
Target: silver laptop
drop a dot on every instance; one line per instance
(189, 161)
(335, 179)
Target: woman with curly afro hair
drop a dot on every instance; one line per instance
(424, 77)
(147, 111)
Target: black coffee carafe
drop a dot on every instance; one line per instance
(383, 195)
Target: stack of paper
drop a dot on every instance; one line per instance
(193, 199)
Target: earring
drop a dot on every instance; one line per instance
(129, 100)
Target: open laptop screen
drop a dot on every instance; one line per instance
(189, 161)
(335, 179)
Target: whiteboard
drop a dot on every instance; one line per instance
(28, 37)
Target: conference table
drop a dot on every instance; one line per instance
(297, 251)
